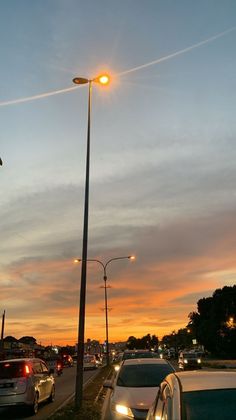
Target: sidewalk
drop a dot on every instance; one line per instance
(220, 364)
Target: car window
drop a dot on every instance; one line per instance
(217, 404)
(37, 367)
(190, 355)
(12, 370)
(44, 368)
(142, 375)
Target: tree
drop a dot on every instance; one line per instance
(215, 322)
(146, 342)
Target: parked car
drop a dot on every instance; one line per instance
(189, 360)
(26, 382)
(134, 387)
(195, 395)
(90, 362)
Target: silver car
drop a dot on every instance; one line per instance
(25, 382)
(134, 388)
(195, 395)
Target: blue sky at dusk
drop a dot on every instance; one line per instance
(163, 157)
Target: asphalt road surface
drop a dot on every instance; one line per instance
(65, 388)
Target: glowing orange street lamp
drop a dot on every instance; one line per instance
(102, 79)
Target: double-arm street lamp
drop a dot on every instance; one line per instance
(104, 266)
(103, 80)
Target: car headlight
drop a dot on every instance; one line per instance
(185, 361)
(199, 360)
(122, 409)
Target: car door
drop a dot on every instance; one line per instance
(39, 380)
(47, 380)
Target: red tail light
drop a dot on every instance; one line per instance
(27, 370)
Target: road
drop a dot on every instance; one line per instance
(65, 387)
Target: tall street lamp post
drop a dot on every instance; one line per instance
(103, 80)
(104, 266)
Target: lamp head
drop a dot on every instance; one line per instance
(77, 260)
(131, 257)
(102, 79)
(80, 80)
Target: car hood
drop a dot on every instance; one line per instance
(141, 398)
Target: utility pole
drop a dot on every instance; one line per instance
(2, 333)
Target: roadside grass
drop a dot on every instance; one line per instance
(214, 365)
(93, 398)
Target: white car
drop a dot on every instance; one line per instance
(26, 382)
(134, 388)
(90, 362)
(196, 396)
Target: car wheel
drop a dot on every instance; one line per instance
(33, 409)
(51, 397)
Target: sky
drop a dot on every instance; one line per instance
(162, 181)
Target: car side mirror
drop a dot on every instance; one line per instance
(108, 384)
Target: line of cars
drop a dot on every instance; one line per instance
(145, 387)
(26, 382)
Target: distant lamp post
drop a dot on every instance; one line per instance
(104, 266)
(103, 80)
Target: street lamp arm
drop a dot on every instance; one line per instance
(117, 258)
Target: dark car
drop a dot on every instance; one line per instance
(139, 354)
(189, 360)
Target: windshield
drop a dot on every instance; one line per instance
(219, 404)
(142, 375)
(190, 356)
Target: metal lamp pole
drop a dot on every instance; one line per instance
(103, 79)
(104, 266)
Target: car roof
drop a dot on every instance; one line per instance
(196, 381)
(146, 361)
(21, 359)
(138, 351)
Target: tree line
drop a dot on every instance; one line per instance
(213, 326)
